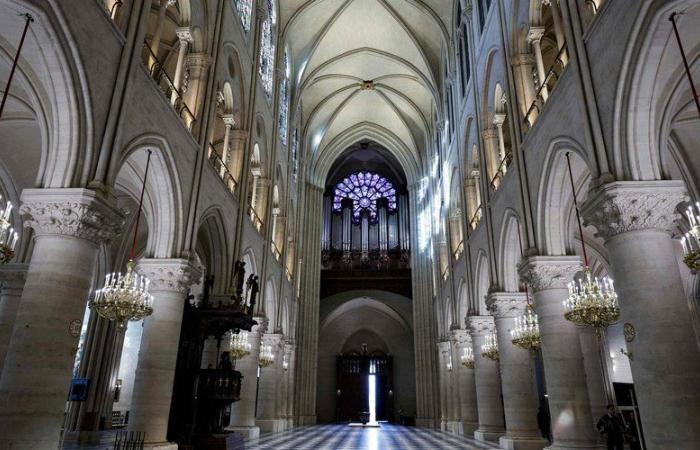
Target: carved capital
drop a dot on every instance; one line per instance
(184, 34)
(523, 59)
(468, 10)
(274, 340)
(481, 325)
(228, 120)
(549, 272)
(169, 275)
(461, 338)
(13, 275)
(444, 346)
(535, 34)
(499, 119)
(625, 206)
(79, 213)
(198, 61)
(489, 133)
(506, 304)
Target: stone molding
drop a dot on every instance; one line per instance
(275, 340)
(624, 206)
(523, 59)
(13, 275)
(489, 133)
(169, 275)
(74, 212)
(481, 325)
(535, 34)
(261, 327)
(444, 346)
(549, 272)
(461, 338)
(505, 305)
(184, 34)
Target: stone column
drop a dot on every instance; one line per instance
(69, 227)
(290, 350)
(558, 26)
(184, 36)
(490, 137)
(488, 383)
(269, 397)
(160, 22)
(443, 349)
(569, 406)
(535, 39)
(12, 277)
(634, 218)
(228, 124)
(238, 138)
(243, 411)
(155, 372)
(518, 383)
(597, 385)
(468, 413)
(523, 63)
(198, 65)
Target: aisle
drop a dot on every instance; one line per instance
(343, 437)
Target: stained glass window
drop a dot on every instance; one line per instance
(267, 49)
(245, 10)
(364, 189)
(284, 102)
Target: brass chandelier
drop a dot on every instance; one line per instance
(267, 358)
(468, 358)
(239, 347)
(125, 297)
(8, 236)
(691, 240)
(526, 333)
(490, 348)
(592, 301)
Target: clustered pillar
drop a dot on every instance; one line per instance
(517, 375)
(155, 372)
(69, 226)
(488, 383)
(569, 405)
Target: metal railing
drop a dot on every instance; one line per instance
(257, 222)
(220, 168)
(167, 86)
(501, 170)
(476, 218)
(275, 251)
(129, 440)
(459, 250)
(548, 84)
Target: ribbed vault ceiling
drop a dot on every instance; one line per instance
(339, 45)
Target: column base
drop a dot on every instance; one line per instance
(575, 446)
(488, 436)
(160, 446)
(246, 432)
(425, 423)
(455, 427)
(306, 420)
(271, 425)
(468, 428)
(514, 443)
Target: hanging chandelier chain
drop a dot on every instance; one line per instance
(672, 18)
(578, 214)
(138, 212)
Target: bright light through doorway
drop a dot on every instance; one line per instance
(372, 398)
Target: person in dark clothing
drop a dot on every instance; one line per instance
(544, 422)
(613, 426)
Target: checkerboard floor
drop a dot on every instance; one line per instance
(343, 437)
